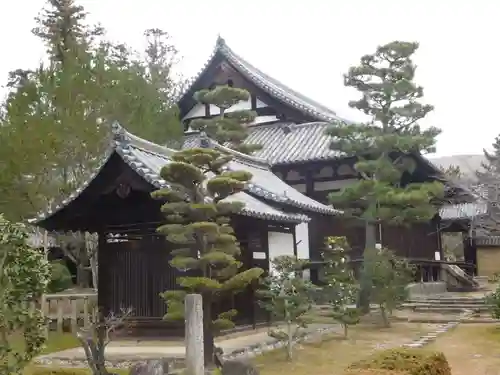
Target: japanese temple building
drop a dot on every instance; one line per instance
(286, 210)
(291, 129)
(133, 260)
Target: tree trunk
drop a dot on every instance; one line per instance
(82, 280)
(289, 344)
(91, 247)
(365, 283)
(345, 330)
(93, 269)
(208, 336)
(385, 318)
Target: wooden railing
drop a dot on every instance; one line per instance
(425, 270)
(69, 311)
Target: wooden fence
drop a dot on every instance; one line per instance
(69, 311)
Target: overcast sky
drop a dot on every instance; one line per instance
(308, 45)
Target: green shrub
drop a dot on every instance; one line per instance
(60, 277)
(411, 361)
(59, 371)
(493, 301)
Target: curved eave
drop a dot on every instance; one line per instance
(275, 89)
(270, 196)
(264, 82)
(285, 218)
(266, 194)
(463, 211)
(52, 210)
(121, 145)
(262, 192)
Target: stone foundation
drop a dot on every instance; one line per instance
(430, 288)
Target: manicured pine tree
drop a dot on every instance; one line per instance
(198, 222)
(340, 289)
(227, 127)
(390, 97)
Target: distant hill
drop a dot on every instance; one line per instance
(468, 164)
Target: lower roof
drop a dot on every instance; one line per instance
(264, 183)
(147, 159)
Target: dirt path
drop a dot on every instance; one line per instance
(471, 349)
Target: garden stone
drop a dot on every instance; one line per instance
(238, 367)
(151, 367)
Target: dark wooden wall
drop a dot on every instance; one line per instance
(134, 273)
(420, 240)
(416, 241)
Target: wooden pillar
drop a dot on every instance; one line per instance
(436, 222)
(294, 234)
(102, 286)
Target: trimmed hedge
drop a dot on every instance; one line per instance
(406, 360)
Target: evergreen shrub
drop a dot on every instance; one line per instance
(406, 360)
(60, 277)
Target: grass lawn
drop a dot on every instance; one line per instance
(334, 354)
(471, 349)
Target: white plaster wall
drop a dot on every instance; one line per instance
(260, 103)
(334, 185)
(279, 244)
(302, 238)
(199, 109)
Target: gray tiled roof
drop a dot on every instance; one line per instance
(285, 143)
(147, 159)
(488, 241)
(270, 85)
(265, 183)
(463, 210)
(308, 142)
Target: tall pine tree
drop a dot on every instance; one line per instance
(493, 158)
(54, 122)
(227, 127)
(198, 222)
(391, 99)
(51, 123)
(488, 188)
(62, 27)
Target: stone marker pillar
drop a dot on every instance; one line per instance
(193, 305)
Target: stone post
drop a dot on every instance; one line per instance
(194, 334)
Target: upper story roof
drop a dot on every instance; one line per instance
(270, 85)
